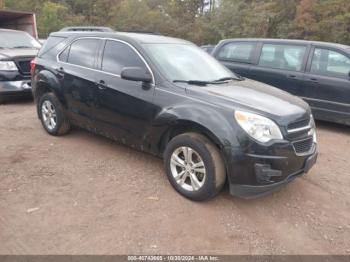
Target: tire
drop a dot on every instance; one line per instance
(61, 126)
(209, 182)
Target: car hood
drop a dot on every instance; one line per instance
(253, 96)
(18, 52)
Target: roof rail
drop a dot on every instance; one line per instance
(141, 32)
(87, 29)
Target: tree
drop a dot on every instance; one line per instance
(201, 21)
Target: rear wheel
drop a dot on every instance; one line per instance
(52, 115)
(194, 166)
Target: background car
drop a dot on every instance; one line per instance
(208, 48)
(17, 49)
(318, 72)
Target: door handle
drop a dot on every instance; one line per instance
(314, 80)
(292, 76)
(102, 85)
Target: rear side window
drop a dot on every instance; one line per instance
(328, 62)
(288, 57)
(239, 52)
(51, 47)
(82, 52)
(118, 55)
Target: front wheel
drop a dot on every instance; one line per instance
(52, 115)
(194, 166)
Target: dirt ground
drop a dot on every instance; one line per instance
(83, 194)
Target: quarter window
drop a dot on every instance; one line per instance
(239, 52)
(82, 52)
(118, 55)
(327, 62)
(286, 57)
(64, 55)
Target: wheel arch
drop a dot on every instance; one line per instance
(46, 82)
(187, 126)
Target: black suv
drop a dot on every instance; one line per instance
(17, 49)
(318, 72)
(168, 97)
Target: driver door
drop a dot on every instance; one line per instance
(125, 108)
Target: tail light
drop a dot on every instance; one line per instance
(32, 66)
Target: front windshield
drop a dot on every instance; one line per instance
(9, 39)
(186, 62)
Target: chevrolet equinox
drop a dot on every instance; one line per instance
(167, 97)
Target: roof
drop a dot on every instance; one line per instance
(6, 15)
(140, 38)
(296, 41)
(11, 30)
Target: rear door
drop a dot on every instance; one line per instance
(125, 108)
(281, 65)
(77, 68)
(327, 82)
(237, 56)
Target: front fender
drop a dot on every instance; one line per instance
(215, 121)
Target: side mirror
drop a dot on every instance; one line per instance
(136, 74)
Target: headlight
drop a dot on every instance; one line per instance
(8, 66)
(312, 131)
(258, 127)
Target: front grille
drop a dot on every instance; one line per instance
(299, 124)
(303, 146)
(299, 130)
(24, 66)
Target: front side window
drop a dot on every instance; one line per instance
(240, 52)
(82, 52)
(288, 57)
(118, 55)
(332, 63)
(186, 62)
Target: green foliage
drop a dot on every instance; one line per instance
(201, 21)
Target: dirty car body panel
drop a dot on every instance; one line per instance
(146, 115)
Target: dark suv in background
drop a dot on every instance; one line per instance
(17, 49)
(318, 72)
(148, 92)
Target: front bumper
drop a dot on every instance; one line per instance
(15, 89)
(254, 170)
(265, 171)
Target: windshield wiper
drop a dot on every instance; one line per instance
(193, 82)
(203, 83)
(22, 46)
(237, 78)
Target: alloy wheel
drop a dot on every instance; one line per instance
(49, 115)
(188, 169)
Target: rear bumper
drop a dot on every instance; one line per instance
(14, 89)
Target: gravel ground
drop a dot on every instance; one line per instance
(83, 194)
